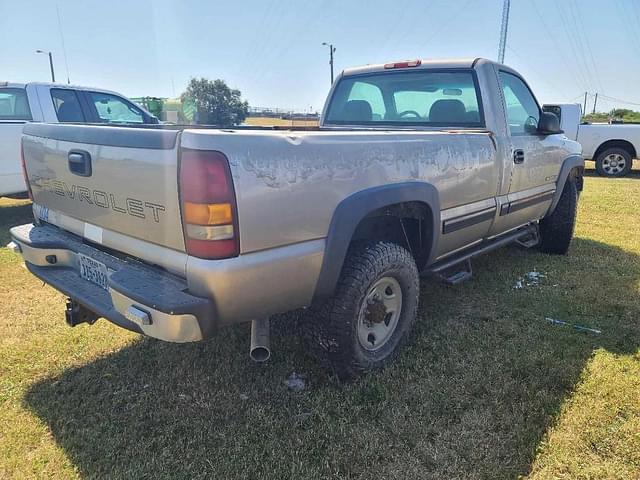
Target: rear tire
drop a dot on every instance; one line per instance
(556, 230)
(371, 313)
(614, 162)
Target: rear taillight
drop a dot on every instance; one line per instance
(24, 170)
(209, 213)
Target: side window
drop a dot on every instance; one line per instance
(14, 104)
(113, 109)
(67, 105)
(523, 112)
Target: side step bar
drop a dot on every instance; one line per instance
(458, 268)
(458, 273)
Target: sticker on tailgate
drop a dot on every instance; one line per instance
(41, 212)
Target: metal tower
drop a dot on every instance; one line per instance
(503, 30)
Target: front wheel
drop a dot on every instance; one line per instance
(614, 162)
(366, 321)
(556, 230)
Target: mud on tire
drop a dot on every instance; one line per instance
(353, 331)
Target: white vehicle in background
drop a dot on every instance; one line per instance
(612, 146)
(53, 103)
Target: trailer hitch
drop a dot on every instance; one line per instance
(75, 314)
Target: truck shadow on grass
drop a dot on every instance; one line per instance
(471, 396)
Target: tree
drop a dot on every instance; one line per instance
(216, 103)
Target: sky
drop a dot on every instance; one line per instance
(272, 50)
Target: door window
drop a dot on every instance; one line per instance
(113, 109)
(523, 112)
(67, 105)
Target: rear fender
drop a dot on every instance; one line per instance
(350, 212)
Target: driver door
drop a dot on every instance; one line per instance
(535, 158)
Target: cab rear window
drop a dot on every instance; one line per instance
(14, 104)
(422, 98)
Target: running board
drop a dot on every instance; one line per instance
(458, 267)
(458, 273)
(530, 240)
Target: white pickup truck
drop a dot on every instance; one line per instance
(53, 103)
(613, 147)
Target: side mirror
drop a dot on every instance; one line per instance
(549, 124)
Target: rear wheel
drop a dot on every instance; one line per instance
(614, 162)
(376, 301)
(556, 230)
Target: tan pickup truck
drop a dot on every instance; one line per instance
(416, 167)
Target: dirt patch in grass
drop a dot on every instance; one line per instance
(486, 387)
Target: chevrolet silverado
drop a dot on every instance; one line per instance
(415, 168)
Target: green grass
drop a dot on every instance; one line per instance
(485, 388)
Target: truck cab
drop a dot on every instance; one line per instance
(54, 103)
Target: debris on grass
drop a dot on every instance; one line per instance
(580, 328)
(296, 382)
(534, 276)
(244, 397)
(301, 417)
(529, 279)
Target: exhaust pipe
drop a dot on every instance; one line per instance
(260, 351)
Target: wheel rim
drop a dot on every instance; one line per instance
(379, 313)
(613, 164)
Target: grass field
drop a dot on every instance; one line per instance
(280, 122)
(485, 389)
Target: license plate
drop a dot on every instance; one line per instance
(94, 271)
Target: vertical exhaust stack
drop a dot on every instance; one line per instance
(260, 351)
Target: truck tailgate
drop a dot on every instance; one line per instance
(110, 179)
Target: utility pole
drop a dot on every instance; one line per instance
(503, 30)
(331, 52)
(584, 107)
(595, 101)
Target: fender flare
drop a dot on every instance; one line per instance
(568, 164)
(350, 212)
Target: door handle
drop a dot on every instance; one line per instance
(79, 163)
(518, 156)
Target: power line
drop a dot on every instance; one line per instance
(579, 21)
(449, 22)
(575, 46)
(578, 73)
(626, 21)
(540, 77)
(614, 99)
(64, 49)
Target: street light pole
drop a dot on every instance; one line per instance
(331, 52)
(53, 75)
